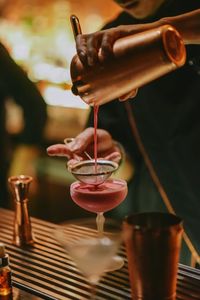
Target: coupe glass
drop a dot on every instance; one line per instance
(99, 199)
(91, 250)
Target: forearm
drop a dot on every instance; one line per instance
(187, 24)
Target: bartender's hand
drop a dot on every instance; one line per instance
(94, 49)
(98, 46)
(74, 151)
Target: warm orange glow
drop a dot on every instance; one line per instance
(39, 37)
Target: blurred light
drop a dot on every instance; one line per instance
(96, 20)
(47, 72)
(56, 96)
(21, 52)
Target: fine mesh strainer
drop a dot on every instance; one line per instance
(88, 172)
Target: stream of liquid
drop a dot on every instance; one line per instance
(96, 109)
(100, 217)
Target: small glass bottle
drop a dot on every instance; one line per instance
(5, 273)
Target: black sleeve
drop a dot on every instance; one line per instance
(193, 57)
(25, 94)
(122, 19)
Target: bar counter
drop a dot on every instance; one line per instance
(45, 271)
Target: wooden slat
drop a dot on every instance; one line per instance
(46, 271)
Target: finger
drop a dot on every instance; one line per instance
(107, 45)
(72, 162)
(115, 156)
(81, 142)
(92, 100)
(88, 98)
(81, 47)
(93, 46)
(129, 95)
(104, 143)
(104, 140)
(74, 90)
(59, 150)
(85, 142)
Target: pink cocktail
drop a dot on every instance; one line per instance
(100, 198)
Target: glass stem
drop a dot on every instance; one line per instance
(100, 223)
(93, 291)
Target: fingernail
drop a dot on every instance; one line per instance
(49, 151)
(89, 99)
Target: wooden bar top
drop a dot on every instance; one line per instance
(47, 272)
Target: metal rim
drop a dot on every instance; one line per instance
(92, 162)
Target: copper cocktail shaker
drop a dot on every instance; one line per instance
(153, 242)
(138, 59)
(22, 233)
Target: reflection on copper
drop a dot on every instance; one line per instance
(138, 59)
(174, 46)
(22, 233)
(153, 242)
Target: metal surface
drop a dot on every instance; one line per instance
(47, 272)
(22, 231)
(137, 60)
(153, 242)
(19, 294)
(93, 172)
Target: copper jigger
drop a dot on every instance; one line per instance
(138, 59)
(22, 234)
(153, 242)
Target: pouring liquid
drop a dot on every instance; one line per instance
(100, 219)
(96, 109)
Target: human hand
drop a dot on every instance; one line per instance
(84, 142)
(84, 89)
(98, 46)
(92, 50)
(129, 95)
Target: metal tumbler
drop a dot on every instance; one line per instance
(22, 231)
(153, 242)
(138, 59)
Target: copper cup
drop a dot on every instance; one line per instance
(153, 242)
(22, 231)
